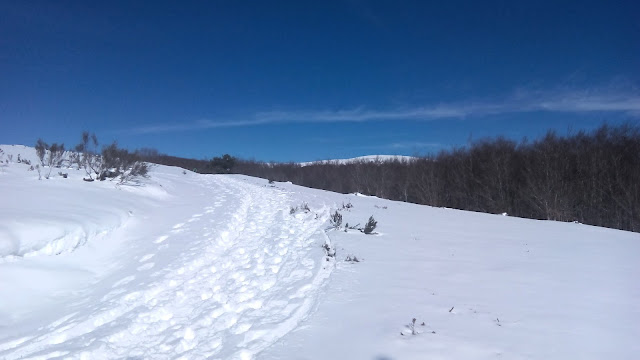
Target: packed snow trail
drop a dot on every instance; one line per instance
(219, 284)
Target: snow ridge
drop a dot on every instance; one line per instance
(366, 158)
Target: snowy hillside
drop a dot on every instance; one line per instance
(367, 158)
(190, 266)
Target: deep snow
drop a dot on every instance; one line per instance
(213, 266)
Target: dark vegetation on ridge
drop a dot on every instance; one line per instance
(592, 178)
(111, 162)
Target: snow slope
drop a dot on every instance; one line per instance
(519, 288)
(217, 268)
(207, 266)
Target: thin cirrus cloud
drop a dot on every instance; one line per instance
(569, 102)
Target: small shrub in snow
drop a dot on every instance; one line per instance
(137, 170)
(304, 207)
(347, 206)
(412, 328)
(354, 227)
(370, 226)
(336, 220)
(23, 161)
(330, 252)
(116, 162)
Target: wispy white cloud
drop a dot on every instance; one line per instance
(567, 101)
(196, 125)
(362, 114)
(575, 102)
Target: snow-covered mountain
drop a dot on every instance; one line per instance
(190, 266)
(367, 158)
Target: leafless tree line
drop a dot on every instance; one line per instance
(588, 177)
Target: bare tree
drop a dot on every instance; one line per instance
(89, 158)
(54, 159)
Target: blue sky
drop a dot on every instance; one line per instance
(308, 80)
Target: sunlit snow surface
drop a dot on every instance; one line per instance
(211, 266)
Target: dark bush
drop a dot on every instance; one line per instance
(222, 164)
(117, 162)
(370, 226)
(335, 220)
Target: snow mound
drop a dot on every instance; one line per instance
(58, 215)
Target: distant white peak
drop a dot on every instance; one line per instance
(366, 158)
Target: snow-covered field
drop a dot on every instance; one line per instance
(215, 266)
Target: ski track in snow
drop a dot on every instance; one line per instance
(221, 284)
